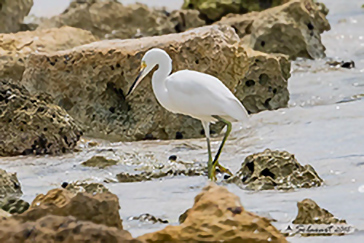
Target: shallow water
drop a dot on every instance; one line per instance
(322, 126)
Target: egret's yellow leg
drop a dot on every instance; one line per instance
(216, 163)
(211, 171)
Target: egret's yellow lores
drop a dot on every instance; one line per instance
(192, 93)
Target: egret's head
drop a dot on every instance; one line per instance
(151, 58)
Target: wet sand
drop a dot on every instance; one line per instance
(322, 126)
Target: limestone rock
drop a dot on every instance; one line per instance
(293, 29)
(311, 213)
(15, 48)
(53, 228)
(82, 186)
(213, 10)
(170, 168)
(267, 72)
(13, 13)
(275, 170)
(29, 125)
(101, 208)
(91, 81)
(9, 185)
(218, 216)
(100, 162)
(112, 19)
(185, 19)
(14, 205)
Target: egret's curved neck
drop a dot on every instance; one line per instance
(159, 79)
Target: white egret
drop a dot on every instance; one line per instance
(192, 93)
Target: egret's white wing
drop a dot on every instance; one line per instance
(201, 96)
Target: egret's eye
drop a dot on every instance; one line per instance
(143, 65)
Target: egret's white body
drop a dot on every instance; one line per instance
(192, 93)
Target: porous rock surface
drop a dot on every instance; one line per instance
(67, 229)
(311, 213)
(83, 186)
(293, 29)
(29, 125)
(267, 72)
(213, 10)
(218, 216)
(275, 170)
(91, 81)
(111, 19)
(9, 185)
(12, 13)
(15, 48)
(101, 208)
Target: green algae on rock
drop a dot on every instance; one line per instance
(275, 170)
(84, 186)
(213, 10)
(9, 185)
(100, 162)
(14, 205)
(29, 125)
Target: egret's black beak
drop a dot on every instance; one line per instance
(137, 80)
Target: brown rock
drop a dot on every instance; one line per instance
(101, 208)
(108, 68)
(213, 10)
(112, 19)
(67, 229)
(29, 125)
(9, 185)
(15, 48)
(13, 13)
(267, 72)
(311, 213)
(218, 216)
(293, 29)
(100, 162)
(275, 170)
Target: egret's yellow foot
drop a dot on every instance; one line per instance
(223, 169)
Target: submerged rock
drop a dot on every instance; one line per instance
(170, 168)
(218, 216)
(213, 10)
(100, 162)
(15, 48)
(146, 217)
(292, 29)
(108, 68)
(13, 13)
(14, 205)
(275, 170)
(113, 20)
(9, 185)
(29, 125)
(101, 208)
(83, 186)
(52, 228)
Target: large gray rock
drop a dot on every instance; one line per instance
(91, 81)
(12, 13)
(293, 29)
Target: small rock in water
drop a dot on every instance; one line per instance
(146, 217)
(275, 170)
(179, 135)
(173, 158)
(64, 184)
(100, 162)
(343, 64)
